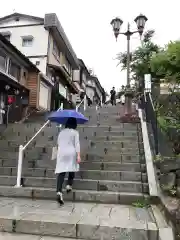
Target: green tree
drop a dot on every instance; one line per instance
(140, 57)
(166, 63)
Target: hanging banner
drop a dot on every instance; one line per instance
(147, 81)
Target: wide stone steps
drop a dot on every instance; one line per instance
(80, 184)
(78, 220)
(75, 196)
(82, 174)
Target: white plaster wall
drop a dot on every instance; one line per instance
(40, 42)
(42, 65)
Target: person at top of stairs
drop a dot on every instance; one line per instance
(113, 96)
(68, 156)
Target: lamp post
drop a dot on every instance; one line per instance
(116, 24)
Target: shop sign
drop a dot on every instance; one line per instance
(11, 99)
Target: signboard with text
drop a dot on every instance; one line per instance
(147, 81)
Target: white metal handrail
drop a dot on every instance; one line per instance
(84, 100)
(22, 148)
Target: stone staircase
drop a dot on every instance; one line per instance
(112, 179)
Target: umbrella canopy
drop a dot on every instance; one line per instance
(62, 116)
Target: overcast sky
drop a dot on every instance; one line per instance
(87, 25)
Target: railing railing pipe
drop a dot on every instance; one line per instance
(22, 148)
(25, 146)
(83, 100)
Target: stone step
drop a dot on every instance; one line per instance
(105, 121)
(24, 138)
(108, 110)
(77, 220)
(101, 140)
(87, 152)
(116, 138)
(86, 131)
(122, 143)
(83, 174)
(75, 196)
(91, 142)
(40, 160)
(85, 165)
(34, 127)
(16, 236)
(109, 127)
(80, 184)
(113, 157)
(111, 150)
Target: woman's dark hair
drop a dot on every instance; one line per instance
(71, 123)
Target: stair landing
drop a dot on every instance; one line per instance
(78, 220)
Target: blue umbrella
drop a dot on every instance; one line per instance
(62, 116)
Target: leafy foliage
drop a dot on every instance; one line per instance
(141, 57)
(166, 63)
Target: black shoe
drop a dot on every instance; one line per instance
(60, 198)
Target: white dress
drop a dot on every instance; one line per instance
(68, 147)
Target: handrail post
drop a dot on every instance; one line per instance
(62, 105)
(20, 162)
(85, 103)
(61, 108)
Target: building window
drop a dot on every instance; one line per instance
(27, 41)
(14, 70)
(37, 63)
(56, 51)
(3, 60)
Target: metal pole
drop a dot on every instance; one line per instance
(20, 162)
(128, 56)
(128, 99)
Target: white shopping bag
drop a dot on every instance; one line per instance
(54, 153)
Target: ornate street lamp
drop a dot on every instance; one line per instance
(116, 25)
(140, 22)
